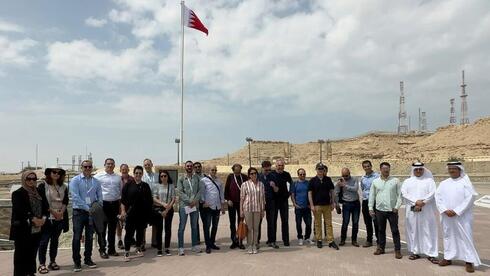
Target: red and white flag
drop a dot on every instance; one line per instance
(192, 21)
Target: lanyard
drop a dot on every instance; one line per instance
(190, 185)
(236, 182)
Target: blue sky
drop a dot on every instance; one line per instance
(104, 74)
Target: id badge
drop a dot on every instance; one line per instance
(88, 201)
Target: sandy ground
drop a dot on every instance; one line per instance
(293, 260)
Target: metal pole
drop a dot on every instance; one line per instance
(37, 153)
(320, 141)
(249, 140)
(182, 81)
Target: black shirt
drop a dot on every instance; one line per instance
(320, 190)
(281, 180)
(137, 200)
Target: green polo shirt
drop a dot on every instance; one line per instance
(386, 194)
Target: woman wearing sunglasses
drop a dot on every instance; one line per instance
(55, 192)
(29, 213)
(163, 210)
(252, 207)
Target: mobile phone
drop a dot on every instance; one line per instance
(412, 208)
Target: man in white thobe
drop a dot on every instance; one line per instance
(420, 221)
(454, 198)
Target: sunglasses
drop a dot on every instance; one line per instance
(87, 167)
(31, 178)
(163, 175)
(302, 174)
(56, 172)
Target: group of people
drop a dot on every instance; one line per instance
(106, 203)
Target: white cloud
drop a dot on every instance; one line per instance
(6, 26)
(94, 22)
(82, 60)
(14, 52)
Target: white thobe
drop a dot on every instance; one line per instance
(420, 227)
(457, 195)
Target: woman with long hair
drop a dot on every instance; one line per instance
(55, 192)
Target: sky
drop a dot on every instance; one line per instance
(103, 76)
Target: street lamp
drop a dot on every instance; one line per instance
(177, 141)
(249, 140)
(321, 141)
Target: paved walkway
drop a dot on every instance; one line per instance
(294, 260)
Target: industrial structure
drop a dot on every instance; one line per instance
(464, 105)
(452, 116)
(402, 115)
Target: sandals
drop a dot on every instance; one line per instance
(414, 257)
(433, 260)
(42, 269)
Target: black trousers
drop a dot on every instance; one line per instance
(234, 216)
(210, 220)
(271, 217)
(133, 225)
(158, 224)
(283, 208)
(111, 211)
(25, 254)
(369, 222)
(392, 218)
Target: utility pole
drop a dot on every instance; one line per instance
(402, 114)
(249, 140)
(320, 142)
(464, 104)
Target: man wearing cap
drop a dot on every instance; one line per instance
(454, 198)
(321, 198)
(420, 220)
(385, 191)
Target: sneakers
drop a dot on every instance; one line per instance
(167, 252)
(196, 249)
(139, 253)
(77, 268)
(254, 250)
(319, 244)
(181, 252)
(310, 242)
(90, 263)
(103, 255)
(160, 253)
(274, 245)
(250, 250)
(126, 257)
(300, 242)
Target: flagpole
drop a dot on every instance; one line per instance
(182, 83)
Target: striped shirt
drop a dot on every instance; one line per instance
(252, 196)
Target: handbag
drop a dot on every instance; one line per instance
(242, 230)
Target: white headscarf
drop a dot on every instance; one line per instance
(427, 172)
(463, 176)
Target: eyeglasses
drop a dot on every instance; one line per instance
(31, 178)
(163, 175)
(253, 173)
(87, 167)
(302, 174)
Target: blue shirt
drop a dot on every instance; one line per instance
(85, 191)
(366, 182)
(300, 191)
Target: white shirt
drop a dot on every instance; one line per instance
(111, 185)
(211, 194)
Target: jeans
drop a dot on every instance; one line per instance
(210, 220)
(134, 225)
(369, 221)
(350, 208)
(111, 210)
(51, 234)
(81, 220)
(303, 214)
(392, 218)
(183, 221)
(234, 216)
(326, 212)
(271, 217)
(158, 225)
(25, 254)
